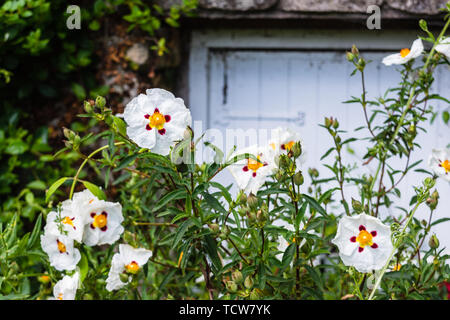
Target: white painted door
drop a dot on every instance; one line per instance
(269, 85)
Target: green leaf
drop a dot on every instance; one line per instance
(55, 187)
(96, 191)
(35, 233)
(84, 267)
(120, 126)
(181, 231)
(174, 195)
(288, 255)
(316, 206)
(211, 249)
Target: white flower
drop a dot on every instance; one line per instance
(363, 242)
(250, 174)
(102, 220)
(156, 120)
(60, 249)
(128, 260)
(66, 288)
(69, 221)
(444, 47)
(405, 54)
(439, 162)
(282, 141)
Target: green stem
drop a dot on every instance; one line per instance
(75, 179)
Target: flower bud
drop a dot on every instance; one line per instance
(243, 198)
(214, 228)
(69, 134)
(296, 149)
(279, 175)
(252, 201)
(429, 182)
(254, 295)
(433, 242)
(335, 124)
(124, 277)
(248, 283)
(242, 212)
(350, 56)
(88, 107)
(355, 50)
(100, 101)
(298, 178)
(237, 276)
(231, 286)
(328, 122)
(357, 206)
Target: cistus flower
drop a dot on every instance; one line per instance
(156, 120)
(67, 220)
(102, 220)
(251, 174)
(66, 288)
(444, 47)
(282, 141)
(127, 261)
(60, 249)
(405, 54)
(363, 242)
(439, 162)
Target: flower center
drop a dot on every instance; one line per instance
(60, 296)
(364, 238)
(69, 221)
(100, 221)
(133, 267)
(254, 165)
(445, 165)
(287, 146)
(157, 120)
(61, 246)
(404, 52)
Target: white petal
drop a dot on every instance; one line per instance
(444, 47)
(416, 49)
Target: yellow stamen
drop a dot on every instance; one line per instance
(254, 165)
(60, 296)
(364, 238)
(446, 166)
(397, 267)
(157, 120)
(273, 146)
(100, 221)
(133, 267)
(69, 221)
(289, 145)
(404, 52)
(61, 246)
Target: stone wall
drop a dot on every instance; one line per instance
(281, 9)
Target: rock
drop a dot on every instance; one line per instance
(138, 53)
(237, 5)
(328, 5)
(417, 6)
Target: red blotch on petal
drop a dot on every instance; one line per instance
(374, 246)
(147, 116)
(104, 228)
(283, 147)
(353, 239)
(360, 249)
(92, 226)
(245, 168)
(361, 228)
(162, 131)
(92, 214)
(254, 174)
(167, 118)
(105, 214)
(148, 127)
(373, 233)
(156, 110)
